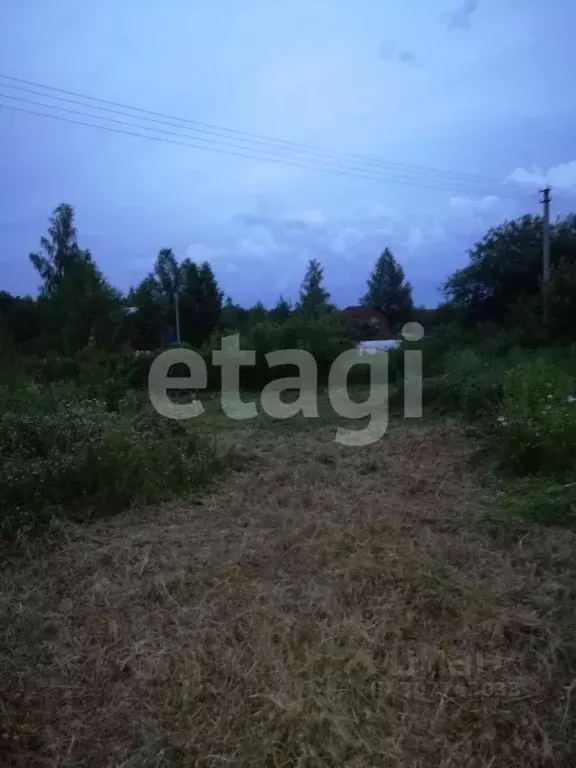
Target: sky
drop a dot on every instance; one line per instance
(480, 90)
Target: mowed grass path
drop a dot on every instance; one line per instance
(320, 606)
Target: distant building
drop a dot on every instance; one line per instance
(372, 322)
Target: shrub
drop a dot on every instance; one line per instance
(536, 426)
(472, 384)
(72, 456)
(325, 338)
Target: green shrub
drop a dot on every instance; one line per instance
(536, 426)
(74, 457)
(472, 385)
(325, 338)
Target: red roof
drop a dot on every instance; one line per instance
(367, 313)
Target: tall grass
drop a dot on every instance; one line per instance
(65, 454)
(522, 403)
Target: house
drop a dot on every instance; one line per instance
(372, 322)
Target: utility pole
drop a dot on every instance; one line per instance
(177, 311)
(545, 248)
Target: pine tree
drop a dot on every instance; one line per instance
(314, 298)
(388, 289)
(200, 302)
(211, 301)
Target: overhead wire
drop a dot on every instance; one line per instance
(277, 151)
(245, 136)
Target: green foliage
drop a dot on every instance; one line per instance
(502, 282)
(233, 317)
(62, 453)
(314, 298)
(75, 300)
(388, 289)
(471, 384)
(257, 314)
(282, 311)
(325, 337)
(20, 320)
(536, 427)
(166, 275)
(522, 403)
(200, 302)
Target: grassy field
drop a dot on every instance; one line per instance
(318, 606)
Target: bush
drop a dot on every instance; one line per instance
(536, 426)
(64, 454)
(472, 385)
(325, 338)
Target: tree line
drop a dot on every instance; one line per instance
(76, 304)
(500, 286)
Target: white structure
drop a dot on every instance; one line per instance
(373, 346)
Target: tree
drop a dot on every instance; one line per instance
(283, 310)
(211, 300)
(388, 289)
(233, 317)
(257, 314)
(166, 274)
(165, 282)
(505, 268)
(314, 298)
(76, 299)
(20, 319)
(191, 296)
(146, 329)
(61, 251)
(200, 302)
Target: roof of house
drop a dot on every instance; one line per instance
(362, 312)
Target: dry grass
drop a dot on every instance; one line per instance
(324, 607)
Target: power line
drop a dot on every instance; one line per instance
(324, 155)
(282, 161)
(353, 173)
(209, 143)
(252, 138)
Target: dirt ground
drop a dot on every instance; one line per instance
(320, 606)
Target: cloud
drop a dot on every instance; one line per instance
(199, 253)
(377, 211)
(415, 239)
(460, 17)
(389, 51)
(263, 252)
(311, 217)
(488, 202)
(561, 177)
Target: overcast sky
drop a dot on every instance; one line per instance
(482, 87)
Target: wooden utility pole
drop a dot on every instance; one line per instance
(545, 248)
(177, 312)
